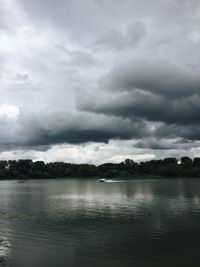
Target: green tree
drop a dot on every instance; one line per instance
(186, 162)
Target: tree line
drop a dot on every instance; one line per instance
(168, 167)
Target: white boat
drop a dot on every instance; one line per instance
(102, 180)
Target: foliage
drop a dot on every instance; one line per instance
(168, 167)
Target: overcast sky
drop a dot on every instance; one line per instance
(99, 80)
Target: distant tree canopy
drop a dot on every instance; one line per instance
(168, 167)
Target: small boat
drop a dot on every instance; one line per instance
(102, 180)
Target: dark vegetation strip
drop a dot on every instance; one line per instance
(168, 167)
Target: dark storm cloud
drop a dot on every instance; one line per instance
(159, 92)
(148, 106)
(33, 131)
(155, 145)
(165, 144)
(189, 131)
(156, 76)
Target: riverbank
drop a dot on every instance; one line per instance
(168, 167)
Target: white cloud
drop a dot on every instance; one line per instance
(9, 110)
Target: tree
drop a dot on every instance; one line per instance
(186, 162)
(39, 169)
(170, 161)
(3, 169)
(196, 162)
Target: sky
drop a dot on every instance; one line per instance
(99, 81)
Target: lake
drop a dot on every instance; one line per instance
(77, 222)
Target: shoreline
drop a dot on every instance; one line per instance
(136, 177)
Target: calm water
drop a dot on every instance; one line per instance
(87, 223)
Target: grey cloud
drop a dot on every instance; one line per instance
(76, 57)
(44, 130)
(155, 145)
(97, 70)
(82, 59)
(3, 23)
(157, 76)
(4, 18)
(112, 39)
(21, 77)
(115, 39)
(189, 131)
(87, 127)
(78, 19)
(166, 144)
(135, 32)
(148, 106)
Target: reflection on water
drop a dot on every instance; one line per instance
(88, 223)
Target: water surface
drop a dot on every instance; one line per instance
(76, 222)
